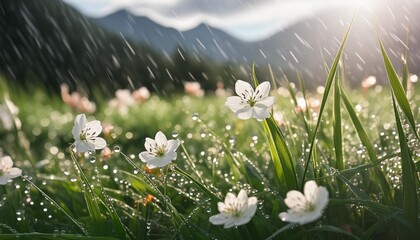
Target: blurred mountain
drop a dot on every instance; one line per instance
(301, 48)
(49, 42)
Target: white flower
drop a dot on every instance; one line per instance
(305, 208)
(8, 115)
(160, 152)
(235, 211)
(249, 103)
(8, 172)
(86, 134)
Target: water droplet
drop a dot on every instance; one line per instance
(92, 159)
(195, 116)
(231, 140)
(174, 134)
(117, 149)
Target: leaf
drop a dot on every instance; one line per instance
(280, 154)
(409, 177)
(364, 138)
(398, 90)
(325, 95)
(337, 134)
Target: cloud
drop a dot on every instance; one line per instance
(248, 20)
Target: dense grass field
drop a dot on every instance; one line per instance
(361, 145)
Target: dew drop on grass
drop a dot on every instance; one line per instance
(231, 140)
(92, 159)
(174, 134)
(195, 116)
(117, 149)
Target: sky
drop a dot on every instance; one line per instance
(249, 20)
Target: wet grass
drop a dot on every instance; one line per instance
(219, 154)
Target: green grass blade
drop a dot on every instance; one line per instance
(89, 195)
(398, 90)
(274, 154)
(325, 95)
(207, 191)
(364, 138)
(337, 134)
(356, 190)
(279, 150)
(409, 177)
(280, 153)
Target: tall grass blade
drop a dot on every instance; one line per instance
(398, 90)
(89, 195)
(280, 153)
(337, 134)
(409, 177)
(325, 95)
(364, 138)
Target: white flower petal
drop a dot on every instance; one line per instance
(145, 156)
(159, 161)
(218, 219)
(295, 200)
(84, 146)
(310, 190)
(265, 102)
(250, 211)
(3, 180)
(230, 223)
(79, 123)
(244, 89)
(93, 128)
(235, 103)
(221, 206)
(6, 162)
(160, 138)
(252, 201)
(262, 90)
(245, 113)
(242, 198)
(260, 113)
(301, 218)
(321, 198)
(243, 220)
(171, 155)
(149, 144)
(14, 172)
(172, 145)
(230, 198)
(98, 142)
